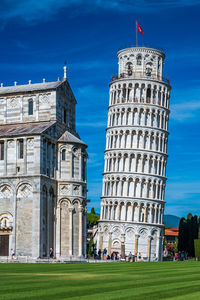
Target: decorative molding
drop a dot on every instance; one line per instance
(25, 191)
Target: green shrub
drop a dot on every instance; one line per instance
(197, 248)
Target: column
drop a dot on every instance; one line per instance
(110, 244)
(80, 211)
(150, 214)
(48, 221)
(120, 188)
(112, 212)
(125, 208)
(158, 248)
(70, 232)
(161, 216)
(122, 245)
(5, 156)
(139, 210)
(126, 95)
(85, 232)
(101, 241)
(160, 194)
(58, 233)
(156, 190)
(151, 119)
(25, 155)
(149, 249)
(59, 163)
(145, 95)
(80, 166)
(101, 217)
(21, 109)
(136, 245)
(151, 191)
(118, 218)
(16, 154)
(145, 213)
(109, 211)
(70, 154)
(37, 108)
(46, 156)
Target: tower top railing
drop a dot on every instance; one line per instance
(152, 47)
(140, 75)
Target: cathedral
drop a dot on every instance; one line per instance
(42, 172)
(134, 178)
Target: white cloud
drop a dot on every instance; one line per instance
(182, 198)
(34, 10)
(182, 190)
(185, 111)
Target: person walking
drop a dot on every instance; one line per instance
(51, 255)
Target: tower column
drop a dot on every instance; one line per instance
(80, 231)
(110, 243)
(136, 245)
(70, 231)
(149, 248)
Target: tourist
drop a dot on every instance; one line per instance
(176, 256)
(104, 254)
(139, 257)
(182, 256)
(51, 253)
(114, 256)
(130, 256)
(12, 253)
(99, 253)
(95, 253)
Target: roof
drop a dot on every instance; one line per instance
(28, 128)
(172, 231)
(68, 137)
(29, 87)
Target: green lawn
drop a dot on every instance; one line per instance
(166, 280)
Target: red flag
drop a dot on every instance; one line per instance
(139, 28)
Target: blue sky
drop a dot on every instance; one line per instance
(38, 36)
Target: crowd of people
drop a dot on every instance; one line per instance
(180, 256)
(169, 253)
(116, 256)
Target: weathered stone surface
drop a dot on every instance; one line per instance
(40, 186)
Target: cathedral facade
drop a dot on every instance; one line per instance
(42, 172)
(134, 178)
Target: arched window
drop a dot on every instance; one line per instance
(63, 154)
(30, 107)
(139, 60)
(148, 69)
(129, 67)
(148, 95)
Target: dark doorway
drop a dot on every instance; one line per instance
(4, 245)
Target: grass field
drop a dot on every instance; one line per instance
(166, 280)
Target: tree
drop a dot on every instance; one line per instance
(91, 247)
(181, 237)
(93, 211)
(92, 218)
(188, 232)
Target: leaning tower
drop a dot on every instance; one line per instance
(132, 202)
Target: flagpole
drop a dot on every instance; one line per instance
(136, 32)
